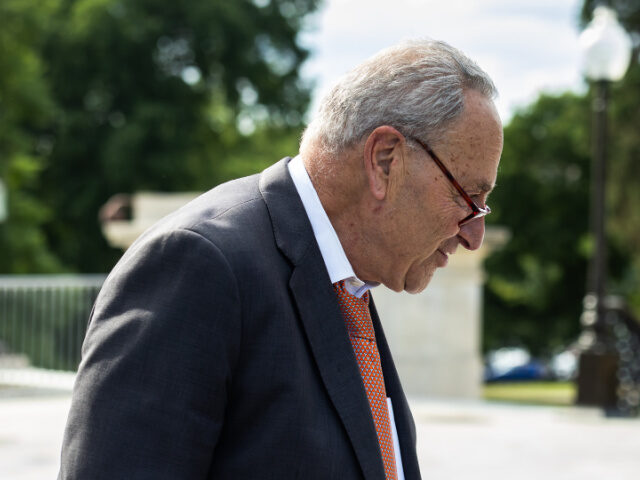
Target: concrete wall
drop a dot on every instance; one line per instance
(146, 208)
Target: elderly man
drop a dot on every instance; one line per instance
(236, 338)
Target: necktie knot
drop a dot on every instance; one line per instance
(356, 312)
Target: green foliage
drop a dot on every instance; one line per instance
(107, 96)
(248, 155)
(536, 282)
(99, 97)
(26, 110)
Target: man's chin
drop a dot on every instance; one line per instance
(417, 285)
(415, 291)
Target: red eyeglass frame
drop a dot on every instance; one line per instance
(476, 210)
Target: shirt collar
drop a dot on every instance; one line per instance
(331, 249)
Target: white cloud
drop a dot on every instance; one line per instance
(526, 46)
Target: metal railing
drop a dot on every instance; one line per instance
(43, 319)
(624, 331)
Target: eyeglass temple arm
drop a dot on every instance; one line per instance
(449, 175)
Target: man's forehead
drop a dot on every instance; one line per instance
(473, 145)
(478, 181)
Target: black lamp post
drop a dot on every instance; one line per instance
(607, 52)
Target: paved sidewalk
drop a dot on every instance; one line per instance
(480, 441)
(31, 426)
(456, 440)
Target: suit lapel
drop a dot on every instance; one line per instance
(321, 318)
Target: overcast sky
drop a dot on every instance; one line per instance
(527, 46)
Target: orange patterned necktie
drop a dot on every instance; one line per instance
(358, 320)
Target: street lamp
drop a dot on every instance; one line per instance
(607, 52)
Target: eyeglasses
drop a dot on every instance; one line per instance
(476, 210)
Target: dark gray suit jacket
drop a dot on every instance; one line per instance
(216, 350)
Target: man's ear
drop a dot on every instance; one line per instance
(383, 160)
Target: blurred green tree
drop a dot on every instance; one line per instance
(159, 95)
(536, 283)
(26, 116)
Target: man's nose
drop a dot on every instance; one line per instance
(472, 234)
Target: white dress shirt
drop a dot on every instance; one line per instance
(335, 259)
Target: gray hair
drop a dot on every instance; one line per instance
(417, 87)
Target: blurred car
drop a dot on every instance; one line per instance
(513, 364)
